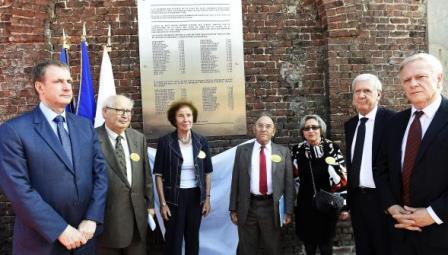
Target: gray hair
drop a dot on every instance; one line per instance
(436, 66)
(373, 79)
(112, 100)
(320, 121)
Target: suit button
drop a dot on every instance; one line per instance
(76, 203)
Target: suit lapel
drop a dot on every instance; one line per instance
(351, 133)
(134, 146)
(197, 146)
(377, 132)
(398, 136)
(44, 129)
(248, 157)
(174, 144)
(109, 153)
(275, 151)
(74, 139)
(439, 121)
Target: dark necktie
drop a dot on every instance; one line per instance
(263, 175)
(412, 145)
(357, 153)
(63, 137)
(120, 156)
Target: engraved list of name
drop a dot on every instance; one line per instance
(192, 51)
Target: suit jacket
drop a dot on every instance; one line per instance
(126, 203)
(380, 126)
(46, 191)
(429, 179)
(282, 181)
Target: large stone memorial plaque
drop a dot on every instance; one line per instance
(192, 50)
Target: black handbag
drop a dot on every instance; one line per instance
(325, 201)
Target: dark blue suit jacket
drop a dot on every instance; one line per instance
(45, 190)
(168, 164)
(429, 179)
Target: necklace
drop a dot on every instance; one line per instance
(185, 140)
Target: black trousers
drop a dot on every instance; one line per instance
(370, 224)
(412, 244)
(184, 223)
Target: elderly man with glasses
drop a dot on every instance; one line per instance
(130, 194)
(262, 174)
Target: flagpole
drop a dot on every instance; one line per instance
(109, 45)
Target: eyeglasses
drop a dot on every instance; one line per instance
(308, 128)
(267, 126)
(121, 111)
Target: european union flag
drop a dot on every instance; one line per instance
(86, 98)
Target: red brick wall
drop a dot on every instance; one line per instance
(369, 36)
(300, 58)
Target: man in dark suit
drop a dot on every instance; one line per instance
(262, 174)
(412, 173)
(363, 135)
(52, 171)
(130, 195)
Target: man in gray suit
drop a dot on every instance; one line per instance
(262, 175)
(130, 195)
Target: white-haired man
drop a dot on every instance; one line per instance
(130, 194)
(412, 173)
(363, 134)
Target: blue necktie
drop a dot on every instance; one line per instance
(63, 137)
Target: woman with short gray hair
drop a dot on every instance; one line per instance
(318, 164)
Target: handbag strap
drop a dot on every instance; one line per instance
(312, 176)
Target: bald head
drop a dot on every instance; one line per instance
(264, 129)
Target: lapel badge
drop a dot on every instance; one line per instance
(276, 158)
(330, 160)
(201, 155)
(135, 157)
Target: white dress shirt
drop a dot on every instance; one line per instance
(425, 120)
(366, 173)
(113, 140)
(255, 168)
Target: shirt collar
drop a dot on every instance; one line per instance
(112, 135)
(371, 115)
(431, 109)
(50, 114)
(257, 145)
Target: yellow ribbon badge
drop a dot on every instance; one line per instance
(276, 158)
(201, 155)
(330, 160)
(135, 157)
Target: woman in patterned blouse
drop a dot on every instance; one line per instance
(325, 160)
